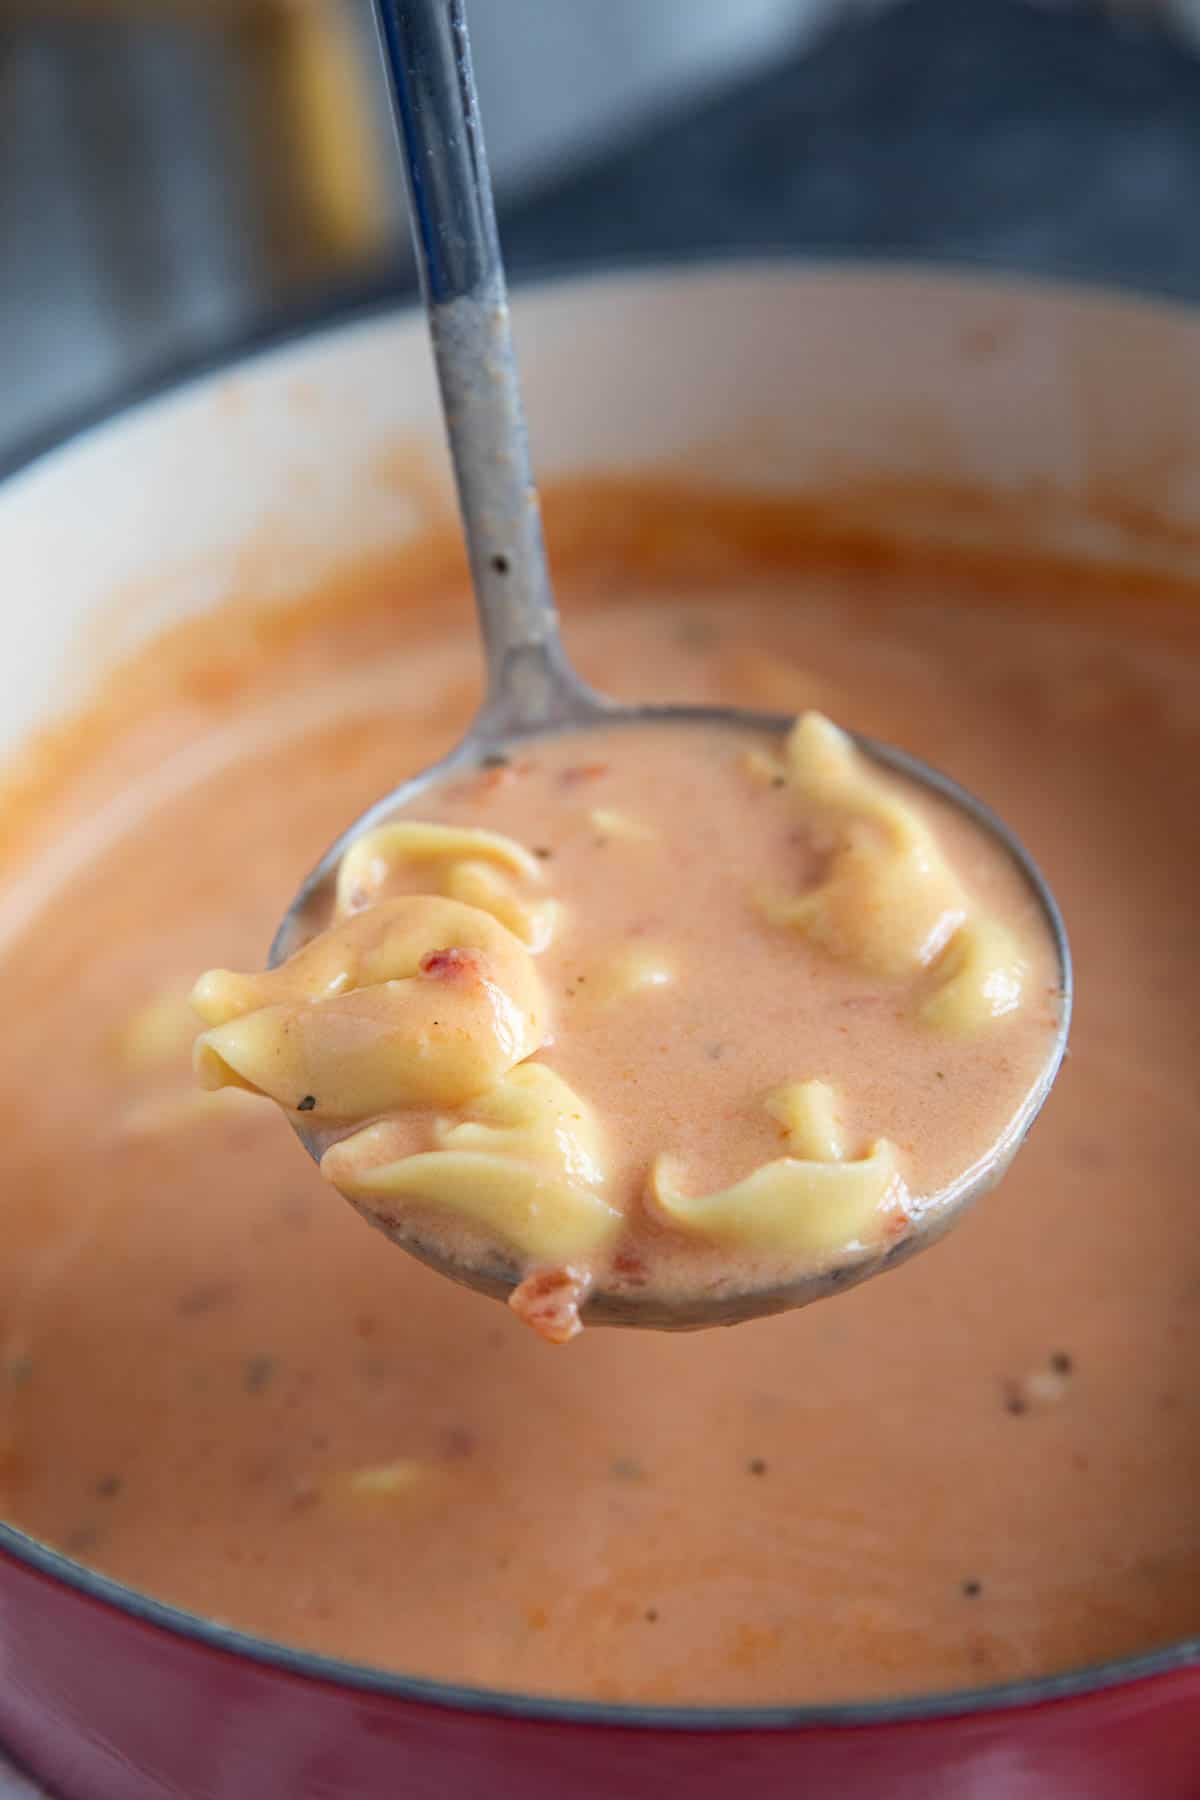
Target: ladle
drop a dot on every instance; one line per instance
(531, 687)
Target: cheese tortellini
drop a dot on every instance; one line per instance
(480, 868)
(889, 900)
(415, 1002)
(812, 1204)
(979, 977)
(525, 1162)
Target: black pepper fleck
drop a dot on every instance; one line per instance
(109, 1486)
(500, 564)
(757, 1466)
(307, 1104)
(1061, 1363)
(972, 1589)
(543, 851)
(257, 1373)
(1014, 1400)
(205, 1298)
(496, 759)
(651, 1615)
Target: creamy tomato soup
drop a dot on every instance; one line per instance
(216, 1385)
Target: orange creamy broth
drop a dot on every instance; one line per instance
(217, 1385)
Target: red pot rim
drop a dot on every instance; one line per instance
(162, 1616)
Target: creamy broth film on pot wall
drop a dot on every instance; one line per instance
(678, 1009)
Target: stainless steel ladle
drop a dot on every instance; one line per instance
(532, 690)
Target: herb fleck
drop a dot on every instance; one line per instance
(257, 1373)
(972, 1589)
(778, 781)
(80, 1541)
(18, 1370)
(757, 1466)
(626, 1468)
(496, 759)
(205, 1298)
(308, 1103)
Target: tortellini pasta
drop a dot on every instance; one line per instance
(480, 868)
(393, 1481)
(525, 1161)
(812, 1203)
(980, 976)
(889, 900)
(608, 823)
(415, 1002)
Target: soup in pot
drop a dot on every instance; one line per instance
(217, 1386)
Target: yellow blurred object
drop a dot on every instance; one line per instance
(308, 109)
(308, 56)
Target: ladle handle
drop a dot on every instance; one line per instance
(428, 59)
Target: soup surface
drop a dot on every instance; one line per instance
(216, 1384)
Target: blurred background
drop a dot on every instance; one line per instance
(178, 174)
